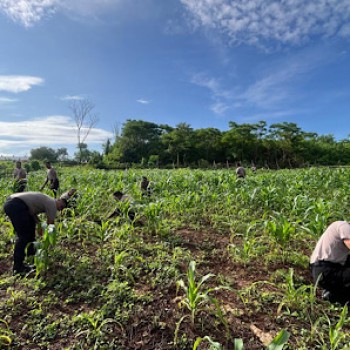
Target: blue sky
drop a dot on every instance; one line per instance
(203, 62)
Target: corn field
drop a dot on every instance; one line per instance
(209, 262)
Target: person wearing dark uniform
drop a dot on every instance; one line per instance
(330, 262)
(23, 209)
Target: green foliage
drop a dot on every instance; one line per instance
(111, 284)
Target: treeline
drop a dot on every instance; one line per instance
(280, 145)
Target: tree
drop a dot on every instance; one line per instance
(44, 154)
(139, 139)
(208, 143)
(83, 154)
(85, 119)
(107, 147)
(179, 142)
(62, 153)
(241, 141)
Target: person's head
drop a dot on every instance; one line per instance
(144, 178)
(238, 164)
(61, 204)
(18, 164)
(67, 195)
(48, 164)
(118, 195)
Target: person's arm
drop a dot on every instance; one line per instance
(46, 181)
(38, 223)
(347, 243)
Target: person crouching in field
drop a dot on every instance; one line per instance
(330, 262)
(20, 178)
(240, 171)
(120, 197)
(145, 187)
(23, 209)
(52, 179)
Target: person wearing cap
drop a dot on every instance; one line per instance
(20, 178)
(23, 209)
(52, 179)
(330, 262)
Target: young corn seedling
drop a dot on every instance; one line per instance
(5, 335)
(277, 343)
(196, 296)
(48, 241)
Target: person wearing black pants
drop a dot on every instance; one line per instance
(22, 209)
(24, 225)
(330, 262)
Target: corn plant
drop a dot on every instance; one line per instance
(5, 335)
(196, 296)
(277, 343)
(48, 241)
(336, 335)
(281, 229)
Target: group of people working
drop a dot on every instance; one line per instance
(20, 178)
(23, 208)
(329, 262)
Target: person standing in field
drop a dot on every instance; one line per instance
(20, 178)
(240, 171)
(23, 209)
(52, 179)
(330, 262)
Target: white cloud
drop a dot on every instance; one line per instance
(6, 100)
(18, 83)
(29, 12)
(72, 98)
(22, 136)
(143, 101)
(258, 21)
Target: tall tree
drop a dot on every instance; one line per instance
(208, 143)
(43, 154)
(138, 140)
(179, 143)
(85, 119)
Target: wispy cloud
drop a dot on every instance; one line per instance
(258, 22)
(18, 83)
(6, 100)
(72, 98)
(21, 136)
(29, 12)
(271, 89)
(143, 101)
(221, 98)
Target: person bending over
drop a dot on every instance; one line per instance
(23, 209)
(330, 263)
